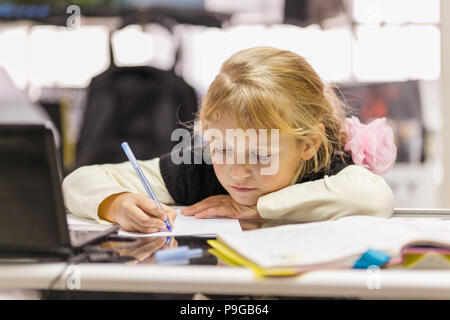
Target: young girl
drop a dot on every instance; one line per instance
(326, 163)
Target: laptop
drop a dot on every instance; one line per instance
(32, 212)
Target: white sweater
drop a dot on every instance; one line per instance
(354, 190)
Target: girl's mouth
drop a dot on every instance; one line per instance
(242, 189)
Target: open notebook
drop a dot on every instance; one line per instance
(297, 248)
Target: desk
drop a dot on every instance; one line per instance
(394, 284)
(208, 277)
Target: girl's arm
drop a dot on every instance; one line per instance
(354, 190)
(86, 188)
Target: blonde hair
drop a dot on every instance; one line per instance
(265, 87)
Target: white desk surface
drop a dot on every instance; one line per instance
(349, 283)
(394, 284)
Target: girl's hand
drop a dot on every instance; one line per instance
(136, 212)
(221, 206)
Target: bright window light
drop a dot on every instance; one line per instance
(205, 49)
(164, 46)
(328, 51)
(14, 54)
(67, 58)
(397, 53)
(396, 11)
(132, 46)
(151, 46)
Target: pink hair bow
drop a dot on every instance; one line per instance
(372, 145)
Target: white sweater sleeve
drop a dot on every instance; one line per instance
(353, 191)
(86, 187)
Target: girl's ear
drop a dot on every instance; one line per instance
(309, 148)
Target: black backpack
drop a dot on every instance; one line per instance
(140, 105)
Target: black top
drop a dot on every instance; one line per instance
(191, 183)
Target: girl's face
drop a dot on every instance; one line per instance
(244, 180)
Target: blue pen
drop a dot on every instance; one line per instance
(144, 181)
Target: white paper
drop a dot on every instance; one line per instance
(189, 226)
(330, 241)
(74, 220)
(82, 224)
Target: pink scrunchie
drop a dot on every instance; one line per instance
(372, 145)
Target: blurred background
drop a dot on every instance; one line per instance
(107, 71)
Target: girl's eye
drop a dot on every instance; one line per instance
(260, 158)
(221, 150)
(264, 159)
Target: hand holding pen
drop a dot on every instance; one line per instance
(143, 179)
(137, 212)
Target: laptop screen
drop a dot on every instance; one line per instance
(30, 201)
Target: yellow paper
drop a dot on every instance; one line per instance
(412, 260)
(233, 259)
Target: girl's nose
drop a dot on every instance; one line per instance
(239, 172)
